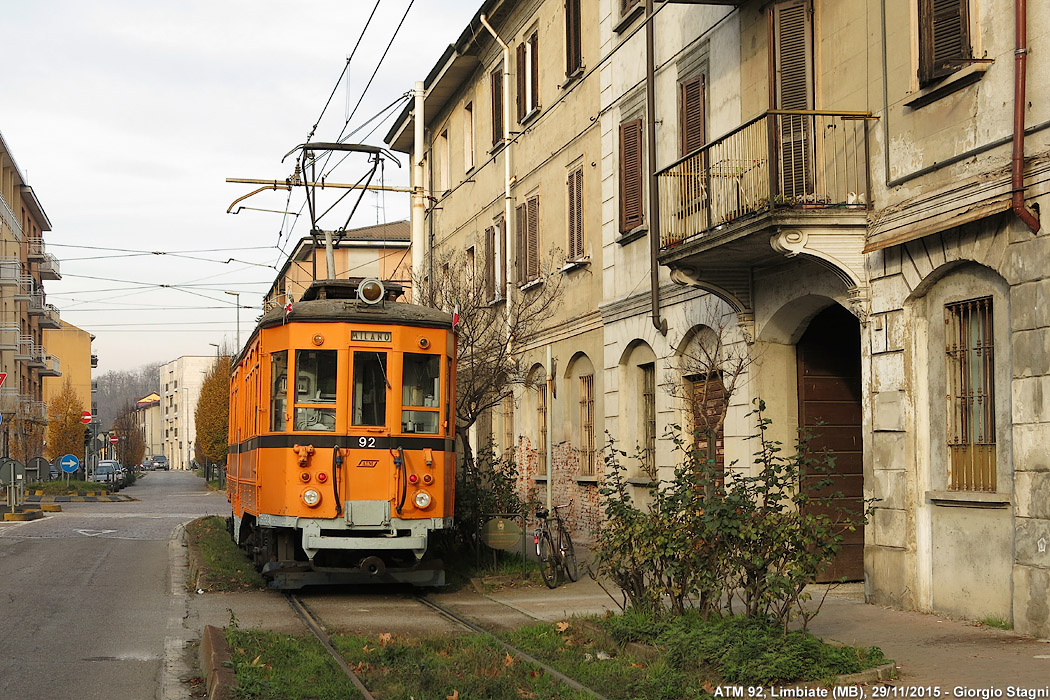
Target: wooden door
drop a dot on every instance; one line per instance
(829, 393)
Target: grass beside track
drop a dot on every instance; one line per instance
(223, 565)
(686, 658)
(272, 666)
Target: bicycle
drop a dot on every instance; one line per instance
(555, 558)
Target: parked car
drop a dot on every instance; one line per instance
(160, 462)
(107, 471)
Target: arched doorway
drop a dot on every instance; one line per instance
(829, 406)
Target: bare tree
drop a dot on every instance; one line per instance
(490, 338)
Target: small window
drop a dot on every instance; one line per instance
(421, 387)
(944, 38)
(573, 38)
(648, 417)
(315, 383)
(528, 76)
(707, 408)
(970, 360)
(370, 387)
(631, 175)
(278, 389)
(528, 238)
(496, 83)
(575, 197)
(587, 425)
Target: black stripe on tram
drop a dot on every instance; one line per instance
(354, 442)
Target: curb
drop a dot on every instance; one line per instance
(217, 664)
(24, 516)
(50, 507)
(101, 498)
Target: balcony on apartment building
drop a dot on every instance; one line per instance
(9, 335)
(7, 216)
(752, 196)
(52, 367)
(24, 350)
(47, 263)
(94, 361)
(50, 317)
(10, 271)
(9, 400)
(31, 409)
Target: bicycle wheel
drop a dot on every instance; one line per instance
(548, 561)
(568, 557)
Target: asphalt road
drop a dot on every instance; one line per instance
(91, 604)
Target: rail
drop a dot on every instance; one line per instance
(799, 159)
(9, 218)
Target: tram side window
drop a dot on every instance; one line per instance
(315, 383)
(421, 386)
(370, 386)
(278, 389)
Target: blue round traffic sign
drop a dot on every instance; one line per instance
(69, 463)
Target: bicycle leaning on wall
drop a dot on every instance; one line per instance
(554, 549)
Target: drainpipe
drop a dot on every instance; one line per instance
(418, 195)
(1020, 101)
(508, 201)
(654, 199)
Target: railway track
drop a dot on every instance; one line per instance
(317, 628)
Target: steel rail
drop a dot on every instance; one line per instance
(448, 614)
(314, 626)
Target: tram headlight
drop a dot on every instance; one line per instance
(311, 497)
(371, 291)
(422, 499)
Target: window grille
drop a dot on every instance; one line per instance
(649, 418)
(508, 426)
(587, 425)
(541, 424)
(970, 361)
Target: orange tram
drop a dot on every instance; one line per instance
(341, 450)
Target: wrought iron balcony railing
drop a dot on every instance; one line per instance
(782, 158)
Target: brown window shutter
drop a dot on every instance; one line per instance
(575, 187)
(534, 42)
(520, 248)
(944, 37)
(497, 104)
(533, 270)
(793, 55)
(490, 263)
(520, 78)
(573, 37)
(501, 224)
(631, 175)
(691, 118)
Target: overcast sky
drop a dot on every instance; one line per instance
(126, 117)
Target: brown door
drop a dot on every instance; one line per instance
(829, 407)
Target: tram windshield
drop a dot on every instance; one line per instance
(370, 387)
(420, 387)
(315, 383)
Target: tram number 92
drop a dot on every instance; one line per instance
(366, 442)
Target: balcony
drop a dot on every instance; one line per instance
(9, 400)
(35, 303)
(24, 351)
(26, 286)
(32, 410)
(783, 184)
(36, 248)
(52, 367)
(10, 271)
(9, 219)
(94, 361)
(9, 333)
(37, 356)
(50, 318)
(49, 268)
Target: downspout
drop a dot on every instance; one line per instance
(508, 201)
(1020, 100)
(418, 194)
(654, 199)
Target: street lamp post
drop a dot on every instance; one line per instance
(216, 346)
(238, 295)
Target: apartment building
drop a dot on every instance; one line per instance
(180, 382)
(513, 163)
(149, 418)
(844, 195)
(72, 347)
(380, 251)
(24, 312)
